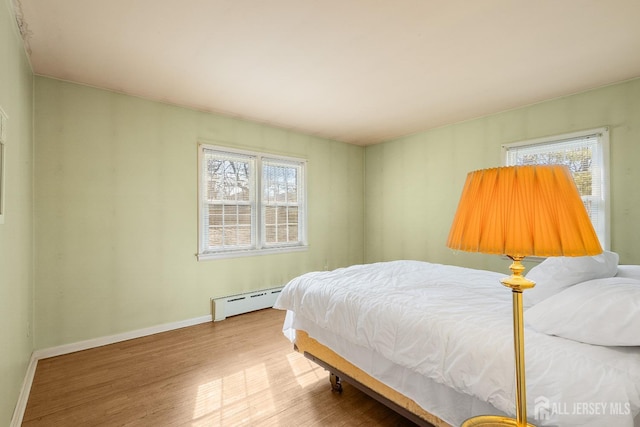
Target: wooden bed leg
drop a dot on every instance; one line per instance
(336, 385)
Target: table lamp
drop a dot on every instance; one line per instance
(521, 211)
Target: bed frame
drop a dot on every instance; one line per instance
(341, 369)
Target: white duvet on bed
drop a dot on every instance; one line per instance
(453, 325)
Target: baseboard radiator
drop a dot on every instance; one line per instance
(243, 303)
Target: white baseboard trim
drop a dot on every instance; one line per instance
(18, 412)
(112, 339)
(45, 353)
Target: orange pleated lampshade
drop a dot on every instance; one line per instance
(523, 211)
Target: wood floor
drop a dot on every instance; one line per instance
(238, 372)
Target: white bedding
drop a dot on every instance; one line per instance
(453, 326)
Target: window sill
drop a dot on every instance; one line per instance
(251, 252)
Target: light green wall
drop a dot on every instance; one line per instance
(413, 184)
(116, 212)
(16, 234)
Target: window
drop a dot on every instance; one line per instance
(587, 156)
(249, 203)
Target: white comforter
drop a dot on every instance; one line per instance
(454, 326)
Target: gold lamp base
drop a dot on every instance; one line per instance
(517, 283)
(493, 421)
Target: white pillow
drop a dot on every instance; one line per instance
(556, 274)
(601, 312)
(630, 271)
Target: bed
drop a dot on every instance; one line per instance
(435, 342)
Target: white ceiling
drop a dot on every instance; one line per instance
(359, 71)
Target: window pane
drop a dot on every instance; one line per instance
(280, 183)
(293, 215)
(292, 193)
(228, 192)
(230, 234)
(281, 186)
(293, 233)
(215, 215)
(270, 215)
(270, 233)
(244, 219)
(282, 215)
(244, 235)
(228, 179)
(215, 236)
(282, 234)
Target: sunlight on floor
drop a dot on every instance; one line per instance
(305, 371)
(234, 399)
(209, 398)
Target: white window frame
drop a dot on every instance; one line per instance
(259, 245)
(600, 170)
